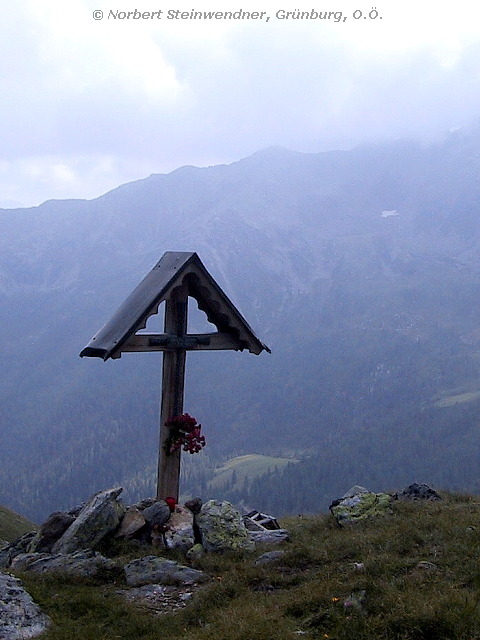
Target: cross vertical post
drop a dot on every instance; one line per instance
(175, 277)
(173, 382)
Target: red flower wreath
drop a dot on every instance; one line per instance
(185, 433)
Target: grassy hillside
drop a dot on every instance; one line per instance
(233, 473)
(12, 525)
(410, 576)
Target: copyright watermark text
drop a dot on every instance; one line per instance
(239, 14)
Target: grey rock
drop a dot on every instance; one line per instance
(131, 522)
(86, 563)
(100, 516)
(20, 617)
(143, 504)
(222, 528)
(269, 536)
(157, 570)
(50, 531)
(15, 548)
(157, 514)
(75, 511)
(195, 505)
(269, 557)
(356, 490)
(148, 591)
(179, 534)
(195, 553)
(159, 599)
(418, 492)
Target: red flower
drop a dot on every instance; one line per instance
(184, 433)
(171, 503)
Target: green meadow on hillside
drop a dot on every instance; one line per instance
(413, 575)
(13, 525)
(234, 472)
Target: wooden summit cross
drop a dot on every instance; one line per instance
(173, 279)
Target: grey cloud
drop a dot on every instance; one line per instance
(259, 87)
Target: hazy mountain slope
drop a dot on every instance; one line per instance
(359, 269)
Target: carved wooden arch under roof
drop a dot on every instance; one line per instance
(174, 270)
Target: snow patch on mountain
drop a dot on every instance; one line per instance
(388, 213)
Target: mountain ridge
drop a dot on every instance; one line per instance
(368, 316)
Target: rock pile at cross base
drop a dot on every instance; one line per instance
(68, 542)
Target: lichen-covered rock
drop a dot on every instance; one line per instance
(50, 531)
(131, 522)
(179, 534)
(354, 508)
(15, 548)
(85, 563)
(222, 528)
(20, 617)
(100, 516)
(157, 570)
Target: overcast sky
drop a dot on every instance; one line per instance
(88, 104)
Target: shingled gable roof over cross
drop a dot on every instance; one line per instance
(174, 269)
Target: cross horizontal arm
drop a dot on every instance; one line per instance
(189, 342)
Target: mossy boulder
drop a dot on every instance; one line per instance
(360, 506)
(222, 528)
